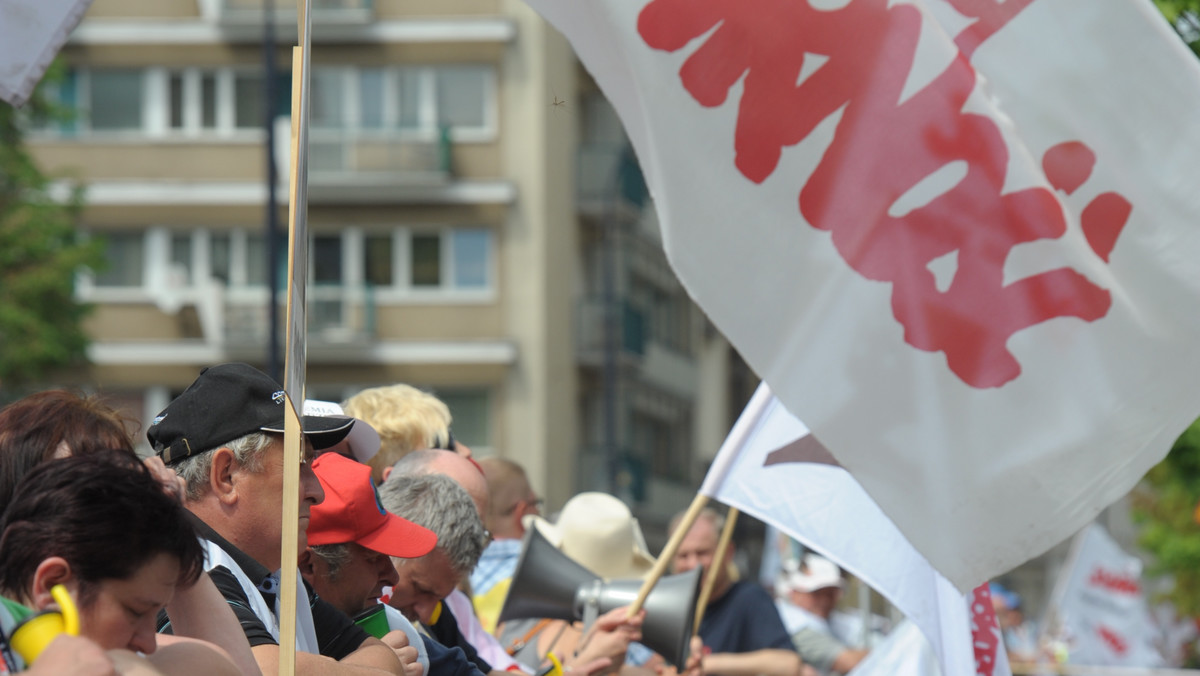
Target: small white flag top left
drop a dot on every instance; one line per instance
(31, 33)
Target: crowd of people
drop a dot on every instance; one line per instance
(407, 549)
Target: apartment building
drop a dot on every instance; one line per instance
(474, 214)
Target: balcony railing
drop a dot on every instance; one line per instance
(333, 152)
(336, 316)
(246, 12)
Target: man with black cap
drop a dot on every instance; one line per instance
(224, 437)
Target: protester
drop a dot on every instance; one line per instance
(58, 424)
(101, 526)
(597, 531)
(740, 625)
(458, 622)
(809, 593)
(223, 435)
(406, 419)
(511, 499)
(441, 505)
(348, 562)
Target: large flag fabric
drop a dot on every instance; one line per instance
(1099, 606)
(772, 468)
(957, 237)
(31, 33)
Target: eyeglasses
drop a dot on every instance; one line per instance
(536, 503)
(450, 443)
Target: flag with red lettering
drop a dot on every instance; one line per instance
(955, 236)
(772, 468)
(31, 33)
(1098, 608)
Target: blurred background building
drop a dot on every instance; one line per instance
(478, 223)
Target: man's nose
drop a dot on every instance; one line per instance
(387, 571)
(310, 486)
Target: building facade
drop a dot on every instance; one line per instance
(477, 228)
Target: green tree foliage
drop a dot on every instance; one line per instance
(1165, 505)
(40, 321)
(1184, 16)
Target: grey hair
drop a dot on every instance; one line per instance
(707, 514)
(334, 556)
(195, 468)
(441, 505)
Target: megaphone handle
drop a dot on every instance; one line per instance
(591, 611)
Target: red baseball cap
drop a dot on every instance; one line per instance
(351, 512)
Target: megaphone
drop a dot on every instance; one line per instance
(548, 583)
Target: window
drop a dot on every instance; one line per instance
(472, 254)
(458, 258)
(462, 97)
(377, 260)
(326, 256)
(181, 259)
(250, 96)
(115, 99)
(125, 253)
(426, 260)
(417, 100)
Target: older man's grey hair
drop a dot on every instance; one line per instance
(441, 505)
(417, 462)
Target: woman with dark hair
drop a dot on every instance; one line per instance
(59, 424)
(101, 526)
(55, 424)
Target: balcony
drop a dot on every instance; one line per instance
(336, 152)
(589, 323)
(244, 13)
(610, 181)
(337, 316)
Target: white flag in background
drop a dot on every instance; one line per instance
(771, 468)
(1099, 606)
(31, 33)
(957, 237)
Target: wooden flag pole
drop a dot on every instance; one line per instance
(710, 578)
(668, 552)
(296, 352)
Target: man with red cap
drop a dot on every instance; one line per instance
(351, 542)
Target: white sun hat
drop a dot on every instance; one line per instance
(599, 532)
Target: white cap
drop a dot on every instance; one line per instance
(362, 441)
(816, 572)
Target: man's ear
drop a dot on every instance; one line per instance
(220, 475)
(387, 472)
(50, 572)
(308, 566)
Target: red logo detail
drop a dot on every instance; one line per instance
(985, 632)
(1117, 582)
(1113, 640)
(883, 148)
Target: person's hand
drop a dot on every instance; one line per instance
(694, 666)
(172, 484)
(397, 640)
(72, 656)
(609, 637)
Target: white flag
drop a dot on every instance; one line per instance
(772, 468)
(1099, 607)
(955, 236)
(31, 33)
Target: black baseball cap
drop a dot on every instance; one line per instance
(226, 402)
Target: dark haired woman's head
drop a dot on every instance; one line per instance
(51, 424)
(100, 525)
